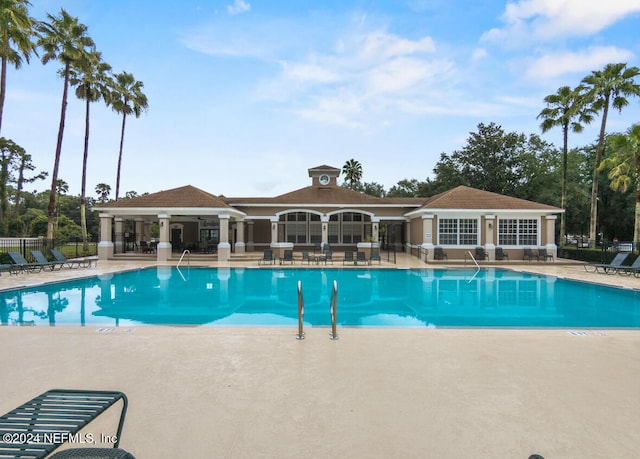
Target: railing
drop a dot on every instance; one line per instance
(474, 260)
(71, 248)
(418, 251)
(186, 252)
(469, 254)
(333, 309)
(300, 334)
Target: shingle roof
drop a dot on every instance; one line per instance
(186, 196)
(330, 194)
(464, 197)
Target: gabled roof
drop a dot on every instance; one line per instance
(329, 194)
(324, 168)
(464, 197)
(185, 196)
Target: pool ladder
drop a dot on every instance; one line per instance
(333, 310)
(300, 334)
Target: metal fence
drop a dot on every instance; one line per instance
(70, 247)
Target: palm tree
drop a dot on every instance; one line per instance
(624, 165)
(91, 80)
(16, 32)
(103, 190)
(608, 87)
(63, 39)
(127, 98)
(352, 171)
(566, 109)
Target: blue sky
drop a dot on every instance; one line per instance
(246, 95)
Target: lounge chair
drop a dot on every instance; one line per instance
(348, 258)
(607, 268)
(543, 254)
(501, 254)
(46, 264)
(44, 423)
(70, 263)
(287, 257)
(306, 257)
(22, 265)
(439, 254)
(528, 254)
(375, 256)
(361, 257)
(267, 257)
(481, 254)
(634, 268)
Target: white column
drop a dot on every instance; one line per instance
(427, 235)
(164, 246)
(105, 246)
(119, 227)
(274, 230)
(240, 247)
(139, 230)
(551, 246)
(489, 233)
(250, 241)
(325, 229)
(224, 248)
(375, 229)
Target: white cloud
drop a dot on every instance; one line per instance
(583, 61)
(479, 54)
(545, 20)
(238, 7)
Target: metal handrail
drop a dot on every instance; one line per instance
(300, 334)
(186, 252)
(333, 309)
(472, 257)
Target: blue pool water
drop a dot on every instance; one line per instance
(366, 297)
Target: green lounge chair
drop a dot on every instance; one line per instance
(361, 257)
(46, 264)
(634, 268)
(53, 417)
(71, 264)
(607, 268)
(375, 256)
(22, 265)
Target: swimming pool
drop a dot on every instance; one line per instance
(164, 295)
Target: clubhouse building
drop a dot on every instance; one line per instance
(322, 213)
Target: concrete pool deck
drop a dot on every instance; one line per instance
(374, 393)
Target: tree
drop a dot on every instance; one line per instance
(608, 87)
(126, 98)
(103, 190)
(352, 171)
(624, 167)
(565, 109)
(489, 161)
(91, 79)
(24, 164)
(8, 152)
(63, 39)
(16, 33)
